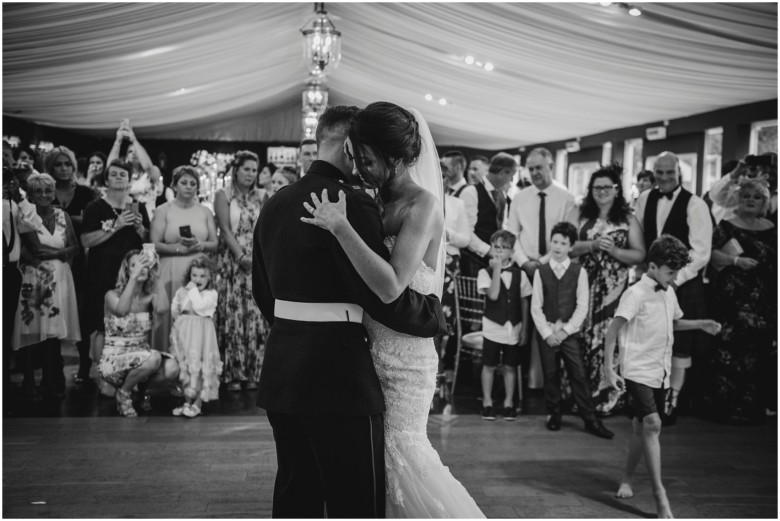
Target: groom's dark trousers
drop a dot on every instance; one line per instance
(318, 383)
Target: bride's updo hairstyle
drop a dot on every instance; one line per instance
(390, 131)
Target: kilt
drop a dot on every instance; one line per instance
(692, 298)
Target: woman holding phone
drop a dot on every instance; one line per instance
(181, 229)
(112, 226)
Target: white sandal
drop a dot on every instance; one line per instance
(178, 411)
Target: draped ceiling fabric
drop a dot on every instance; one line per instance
(562, 70)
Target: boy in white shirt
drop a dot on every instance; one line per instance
(504, 323)
(650, 313)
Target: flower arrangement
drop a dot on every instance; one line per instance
(213, 170)
(107, 225)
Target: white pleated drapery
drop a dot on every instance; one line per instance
(234, 71)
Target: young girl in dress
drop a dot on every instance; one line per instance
(194, 338)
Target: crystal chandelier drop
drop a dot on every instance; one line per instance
(321, 43)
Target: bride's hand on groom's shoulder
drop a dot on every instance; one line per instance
(331, 216)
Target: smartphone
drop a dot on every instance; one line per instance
(149, 251)
(185, 232)
(134, 209)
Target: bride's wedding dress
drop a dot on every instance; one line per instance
(418, 484)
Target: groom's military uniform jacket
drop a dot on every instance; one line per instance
(324, 367)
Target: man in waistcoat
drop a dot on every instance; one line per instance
(670, 208)
(492, 207)
(318, 383)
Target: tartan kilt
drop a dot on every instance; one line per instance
(692, 297)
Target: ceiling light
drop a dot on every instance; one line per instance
(428, 97)
(478, 64)
(321, 43)
(488, 66)
(442, 101)
(469, 60)
(634, 11)
(606, 4)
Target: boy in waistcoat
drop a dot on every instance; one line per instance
(645, 319)
(559, 305)
(504, 323)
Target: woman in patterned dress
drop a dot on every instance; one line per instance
(610, 242)
(741, 374)
(47, 312)
(241, 329)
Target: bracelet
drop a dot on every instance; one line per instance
(736, 258)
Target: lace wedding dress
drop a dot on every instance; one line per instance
(418, 484)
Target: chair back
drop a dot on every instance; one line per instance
(469, 304)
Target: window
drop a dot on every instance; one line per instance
(763, 137)
(713, 144)
(561, 165)
(632, 164)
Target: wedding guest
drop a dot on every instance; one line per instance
(72, 197)
(181, 230)
(47, 313)
(112, 227)
(536, 209)
(559, 304)
(670, 208)
(453, 165)
(610, 241)
(241, 329)
(644, 181)
(284, 176)
(95, 170)
(478, 169)
(12, 277)
(145, 179)
(724, 193)
(741, 370)
(492, 205)
(646, 318)
(457, 235)
(128, 359)
(504, 324)
(307, 153)
(264, 178)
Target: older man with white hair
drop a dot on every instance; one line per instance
(671, 209)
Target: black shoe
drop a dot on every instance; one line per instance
(597, 428)
(487, 413)
(509, 414)
(554, 422)
(669, 416)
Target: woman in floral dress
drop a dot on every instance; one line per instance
(47, 313)
(610, 242)
(741, 371)
(241, 329)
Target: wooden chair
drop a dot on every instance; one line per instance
(469, 307)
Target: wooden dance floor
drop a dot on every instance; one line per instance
(77, 459)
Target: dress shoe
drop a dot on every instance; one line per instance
(554, 422)
(510, 414)
(488, 414)
(597, 428)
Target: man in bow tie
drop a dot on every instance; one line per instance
(671, 209)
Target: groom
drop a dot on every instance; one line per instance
(318, 383)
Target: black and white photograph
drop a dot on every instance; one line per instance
(390, 260)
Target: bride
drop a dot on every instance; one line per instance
(393, 152)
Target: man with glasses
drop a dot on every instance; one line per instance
(671, 209)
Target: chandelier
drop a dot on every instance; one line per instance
(314, 101)
(321, 43)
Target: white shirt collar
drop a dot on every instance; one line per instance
(565, 264)
(488, 185)
(457, 185)
(648, 281)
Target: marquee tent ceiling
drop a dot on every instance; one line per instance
(561, 69)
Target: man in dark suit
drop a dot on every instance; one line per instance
(318, 383)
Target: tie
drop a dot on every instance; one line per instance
(658, 287)
(500, 198)
(559, 271)
(542, 226)
(668, 195)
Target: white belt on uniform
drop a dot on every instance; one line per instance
(318, 311)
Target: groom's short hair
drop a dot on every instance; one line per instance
(334, 123)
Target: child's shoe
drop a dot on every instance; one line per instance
(488, 414)
(178, 411)
(191, 411)
(509, 414)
